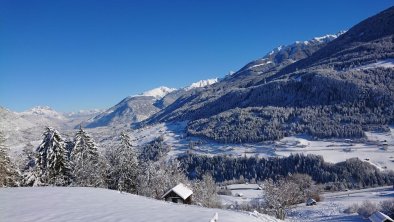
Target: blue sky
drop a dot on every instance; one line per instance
(83, 54)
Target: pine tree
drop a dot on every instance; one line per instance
(123, 166)
(27, 166)
(8, 174)
(51, 160)
(86, 160)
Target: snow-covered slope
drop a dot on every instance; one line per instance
(95, 204)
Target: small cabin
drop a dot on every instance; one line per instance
(380, 217)
(179, 194)
(311, 202)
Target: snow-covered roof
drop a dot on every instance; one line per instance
(379, 217)
(243, 187)
(181, 190)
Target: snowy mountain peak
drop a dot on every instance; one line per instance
(317, 40)
(158, 93)
(201, 83)
(328, 38)
(42, 110)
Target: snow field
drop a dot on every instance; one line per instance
(96, 204)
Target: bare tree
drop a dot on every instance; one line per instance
(205, 192)
(279, 196)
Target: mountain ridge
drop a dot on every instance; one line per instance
(322, 93)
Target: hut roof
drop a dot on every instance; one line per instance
(181, 190)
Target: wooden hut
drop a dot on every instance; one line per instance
(179, 194)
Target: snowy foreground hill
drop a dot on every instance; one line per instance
(95, 204)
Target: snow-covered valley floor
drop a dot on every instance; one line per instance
(332, 207)
(377, 148)
(95, 204)
(329, 209)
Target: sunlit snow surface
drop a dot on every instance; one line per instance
(329, 209)
(94, 204)
(332, 207)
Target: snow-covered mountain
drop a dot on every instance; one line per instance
(130, 110)
(201, 83)
(305, 87)
(290, 53)
(158, 93)
(27, 126)
(136, 108)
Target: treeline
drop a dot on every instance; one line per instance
(352, 173)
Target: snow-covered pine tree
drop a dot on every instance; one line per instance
(27, 166)
(127, 168)
(8, 174)
(51, 160)
(86, 161)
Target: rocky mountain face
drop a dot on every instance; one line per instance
(317, 87)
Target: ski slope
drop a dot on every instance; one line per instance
(96, 204)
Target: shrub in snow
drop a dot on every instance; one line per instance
(352, 209)
(367, 208)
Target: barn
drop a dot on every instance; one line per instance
(179, 194)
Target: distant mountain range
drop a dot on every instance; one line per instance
(29, 125)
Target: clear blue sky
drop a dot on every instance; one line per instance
(82, 54)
